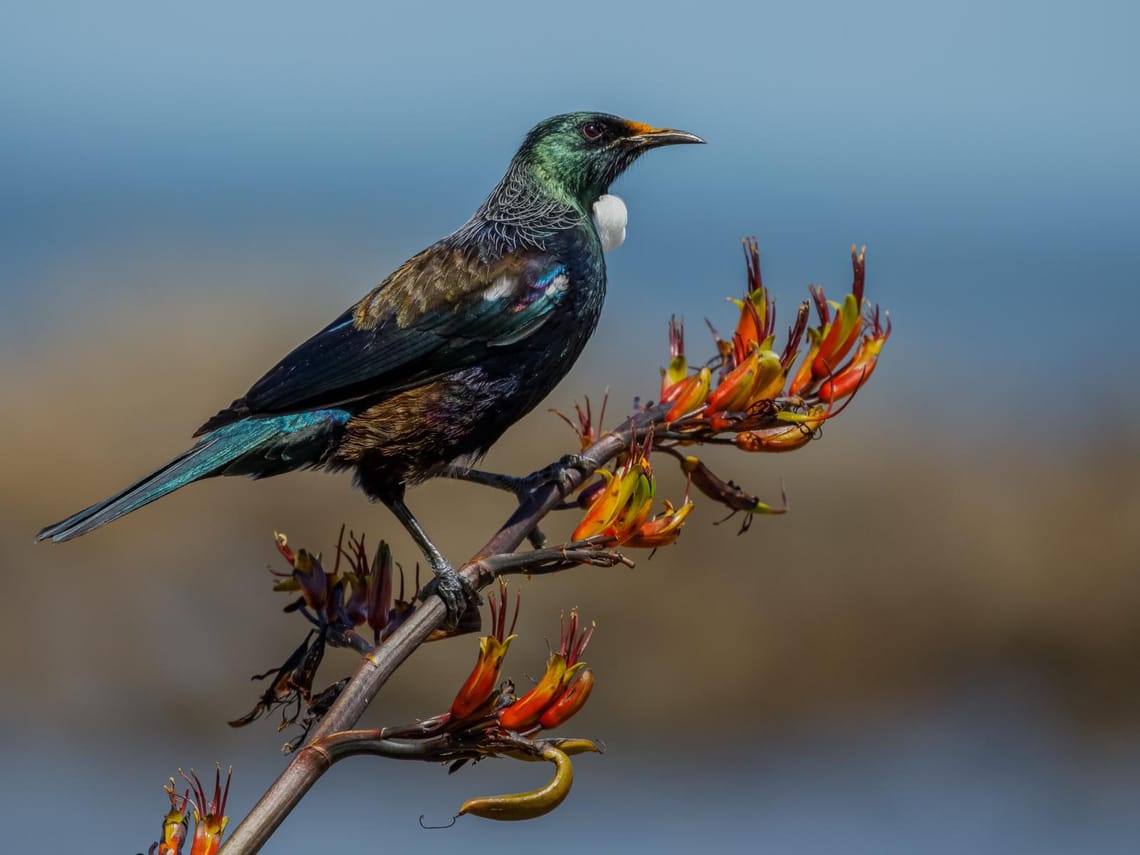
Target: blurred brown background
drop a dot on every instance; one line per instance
(913, 570)
(936, 650)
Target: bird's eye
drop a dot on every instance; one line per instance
(592, 131)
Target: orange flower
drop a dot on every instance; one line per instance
(751, 370)
(620, 509)
(795, 337)
(836, 334)
(858, 371)
(209, 817)
(840, 335)
(688, 394)
(559, 687)
(757, 313)
(619, 506)
(734, 390)
(602, 506)
(572, 699)
(478, 690)
(174, 825)
(759, 378)
(524, 713)
(796, 434)
(663, 529)
(685, 391)
(769, 377)
(803, 377)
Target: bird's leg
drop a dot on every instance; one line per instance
(495, 480)
(522, 486)
(448, 584)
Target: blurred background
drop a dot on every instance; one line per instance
(937, 649)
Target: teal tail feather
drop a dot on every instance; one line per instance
(254, 446)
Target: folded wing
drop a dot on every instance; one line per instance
(440, 312)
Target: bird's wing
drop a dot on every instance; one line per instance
(441, 311)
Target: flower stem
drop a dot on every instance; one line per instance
(311, 761)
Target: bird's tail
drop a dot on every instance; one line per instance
(254, 446)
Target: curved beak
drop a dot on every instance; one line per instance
(647, 136)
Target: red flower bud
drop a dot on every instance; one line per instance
(524, 713)
(481, 683)
(688, 394)
(570, 701)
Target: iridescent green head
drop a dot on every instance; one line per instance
(578, 155)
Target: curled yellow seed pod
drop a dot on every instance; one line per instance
(536, 803)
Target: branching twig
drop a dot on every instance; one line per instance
(434, 749)
(311, 761)
(758, 401)
(549, 560)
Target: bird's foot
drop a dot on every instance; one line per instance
(457, 594)
(553, 473)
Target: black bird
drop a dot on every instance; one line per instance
(441, 357)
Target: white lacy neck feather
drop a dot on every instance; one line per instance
(610, 218)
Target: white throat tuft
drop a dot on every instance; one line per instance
(610, 218)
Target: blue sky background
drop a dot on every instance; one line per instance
(923, 654)
(986, 153)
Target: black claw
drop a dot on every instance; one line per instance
(456, 592)
(553, 473)
(577, 461)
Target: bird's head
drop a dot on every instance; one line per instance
(580, 154)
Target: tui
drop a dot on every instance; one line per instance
(441, 357)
